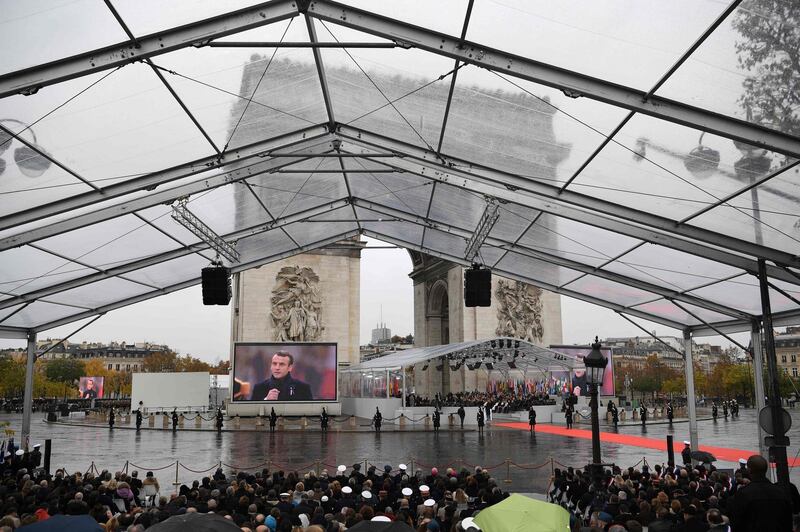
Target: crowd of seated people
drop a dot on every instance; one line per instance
(501, 402)
(261, 501)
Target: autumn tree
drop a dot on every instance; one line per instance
(769, 52)
(66, 371)
(160, 361)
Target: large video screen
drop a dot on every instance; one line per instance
(90, 387)
(284, 372)
(579, 375)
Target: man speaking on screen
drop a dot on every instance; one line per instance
(281, 386)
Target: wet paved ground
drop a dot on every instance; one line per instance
(77, 447)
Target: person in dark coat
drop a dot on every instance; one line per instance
(686, 454)
(437, 420)
(669, 411)
(377, 419)
(111, 418)
(568, 417)
(760, 506)
(323, 420)
(462, 414)
(643, 414)
(532, 418)
(714, 411)
(138, 418)
(480, 419)
(174, 420)
(281, 386)
(273, 420)
(219, 420)
(615, 416)
(725, 409)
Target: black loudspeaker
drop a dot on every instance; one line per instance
(216, 285)
(477, 287)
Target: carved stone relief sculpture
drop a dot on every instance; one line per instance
(519, 311)
(296, 313)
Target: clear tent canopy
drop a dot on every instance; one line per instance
(642, 156)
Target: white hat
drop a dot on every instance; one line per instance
(341, 468)
(366, 494)
(429, 502)
(19, 452)
(742, 461)
(284, 494)
(381, 519)
(37, 445)
(324, 498)
(407, 492)
(424, 488)
(686, 442)
(469, 522)
(347, 489)
(402, 467)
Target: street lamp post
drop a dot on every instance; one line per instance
(595, 368)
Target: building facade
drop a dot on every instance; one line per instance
(787, 351)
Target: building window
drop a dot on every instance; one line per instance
(111, 366)
(794, 358)
(135, 367)
(117, 367)
(794, 372)
(127, 367)
(783, 359)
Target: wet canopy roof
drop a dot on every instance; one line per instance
(502, 354)
(637, 155)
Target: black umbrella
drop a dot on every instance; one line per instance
(380, 526)
(57, 523)
(704, 457)
(195, 522)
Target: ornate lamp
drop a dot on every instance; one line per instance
(595, 365)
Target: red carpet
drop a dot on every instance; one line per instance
(722, 453)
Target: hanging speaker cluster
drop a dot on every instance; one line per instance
(216, 284)
(477, 287)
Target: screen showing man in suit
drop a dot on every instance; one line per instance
(284, 372)
(90, 387)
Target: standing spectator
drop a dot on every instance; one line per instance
(761, 506)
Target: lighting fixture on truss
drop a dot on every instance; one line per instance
(482, 230)
(182, 215)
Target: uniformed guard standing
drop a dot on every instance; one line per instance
(714, 411)
(725, 409)
(461, 415)
(568, 416)
(138, 418)
(111, 418)
(532, 418)
(273, 420)
(669, 412)
(686, 453)
(377, 419)
(437, 420)
(323, 420)
(615, 416)
(174, 420)
(480, 419)
(643, 414)
(219, 420)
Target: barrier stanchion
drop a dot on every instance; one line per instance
(237, 422)
(412, 466)
(176, 483)
(552, 467)
(125, 469)
(402, 421)
(151, 421)
(165, 421)
(318, 468)
(181, 420)
(198, 422)
(508, 471)
(353, 422)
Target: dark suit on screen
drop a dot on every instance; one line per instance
(290, 388)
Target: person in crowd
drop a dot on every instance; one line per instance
(760, 505)
(281, 386)
(686, 453)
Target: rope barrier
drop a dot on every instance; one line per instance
(151, 468)
(528, 466)
(257, 466)
(215, 466)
